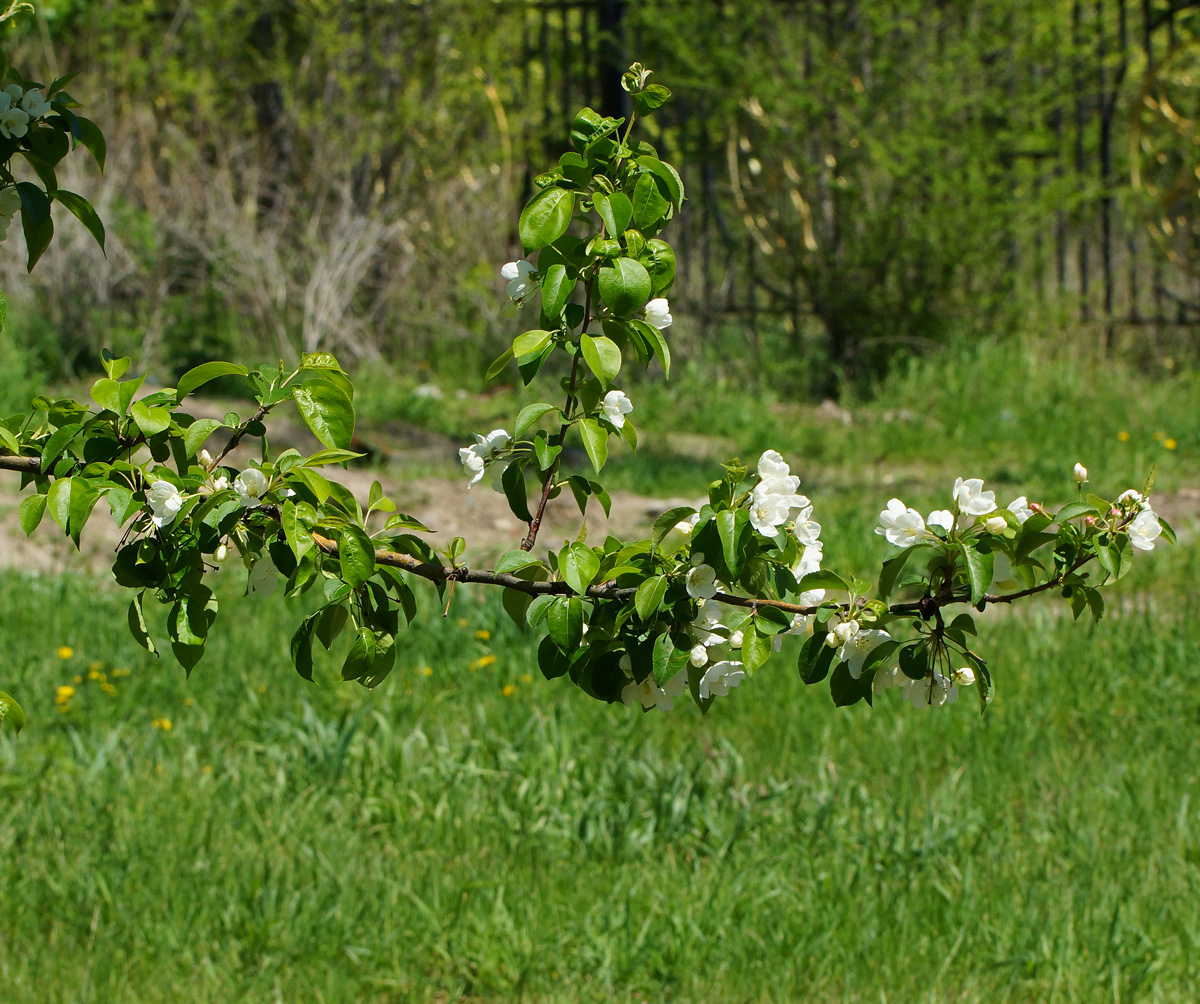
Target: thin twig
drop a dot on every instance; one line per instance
(238, 433)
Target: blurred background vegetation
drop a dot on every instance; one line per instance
(868, 178)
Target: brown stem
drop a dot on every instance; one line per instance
(24, 465)
(238, 433)
(535, 524)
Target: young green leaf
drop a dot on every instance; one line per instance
(545, 218)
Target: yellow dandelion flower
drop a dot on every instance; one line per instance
(483, 635)
(508, 690)
(485, 660)
(1169, 443)
(109, 689)
(427, 671)
(77, 678)
(64, 693)
(120, 672)
(65, 651)
(94, 666)
(462, 622)
(526, 678)
(1124, 436)
(95, 674)
(161, 723)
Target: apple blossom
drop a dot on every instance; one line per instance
(901, 525)
(971, 497)
(658, 313)
(941, 517)
(806, 530)
(768, 514)
(858, 646)
(518, 273)
(736, 639)
(1079, 474)
(995, 524)
(810, 561)
(648, 693)
(702, 582)
(1019, 507)
(720, 678)
(34, 104)
(615, 407)
(698, 656)
(250, 485)
(165, 501)
(10, 202)
(1144, 530)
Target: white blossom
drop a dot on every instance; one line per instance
(648, 693)
(971, 497)
(698, 656)
(1144, 530)
(858, 646)
(1079, 474)
(806, 529)
(772, 465)
(263, 576)
(941, 517)
(250, 485)
(34, 104)
(220, 483)
(885, 678)
(702, 582)
(165, 501)
(474, 458)
(10, 202)
(845, 630)
(518, 273)
(658, 313)
(676, 686)
(1019, 507)
(768, 514)
(810, 560)
(615, 407)
(736, 639)
(900, 524)
(707, 623)
(1133, 499)
(931, 691)
(964, 677)
(14, 121)
(720, 678)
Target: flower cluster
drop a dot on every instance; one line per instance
(932, 691)
(774, 501)
(614, 407)
(1141, 521)
(974, 510)
(18, 108)
(485, 450)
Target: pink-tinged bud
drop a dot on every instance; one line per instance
(1035, 506)
(1090, 520)
(1114, 511)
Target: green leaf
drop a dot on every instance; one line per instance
(624, 286)
(513, 483)
(58, 501)
(666, 522)
(602, 356)
(107, 393)
(649, 204)
(815, 659)
(1167, 530)
(531, 342)
(361, 656)
(565, 623)
(30, 512)
(137, 624)
(890, 571)
(595, 442)
(546, 218)
(83, 211)
(11, 714)
(823, 579)
(649, 596)
(299, 521)
(198, 376)
(530, 414)
(979, 569)
(151, 421)
(330, 621)
(92, 138)
(196, 434)
(846, 690)
(328, 412)
(657, 342)
(914, 661)
(515, 561)
(667, 174)
(499, 365)
(35, 220)
(756, 649)
(1073, 510)
(556, 292)
(730, 531)
(356, 555)
(615, 210)
(301, 646)
(83, 500)
(578, 564)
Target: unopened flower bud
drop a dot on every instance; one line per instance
(846, 630)
(1035, 506)
(1080, 474)
(996, 524)
(831, 639)
(735, 639)
(698, 656)
(221, 553)
(1090, 520)
(205, 458)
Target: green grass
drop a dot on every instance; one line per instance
(435, 838)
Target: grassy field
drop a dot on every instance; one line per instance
(470, 831)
